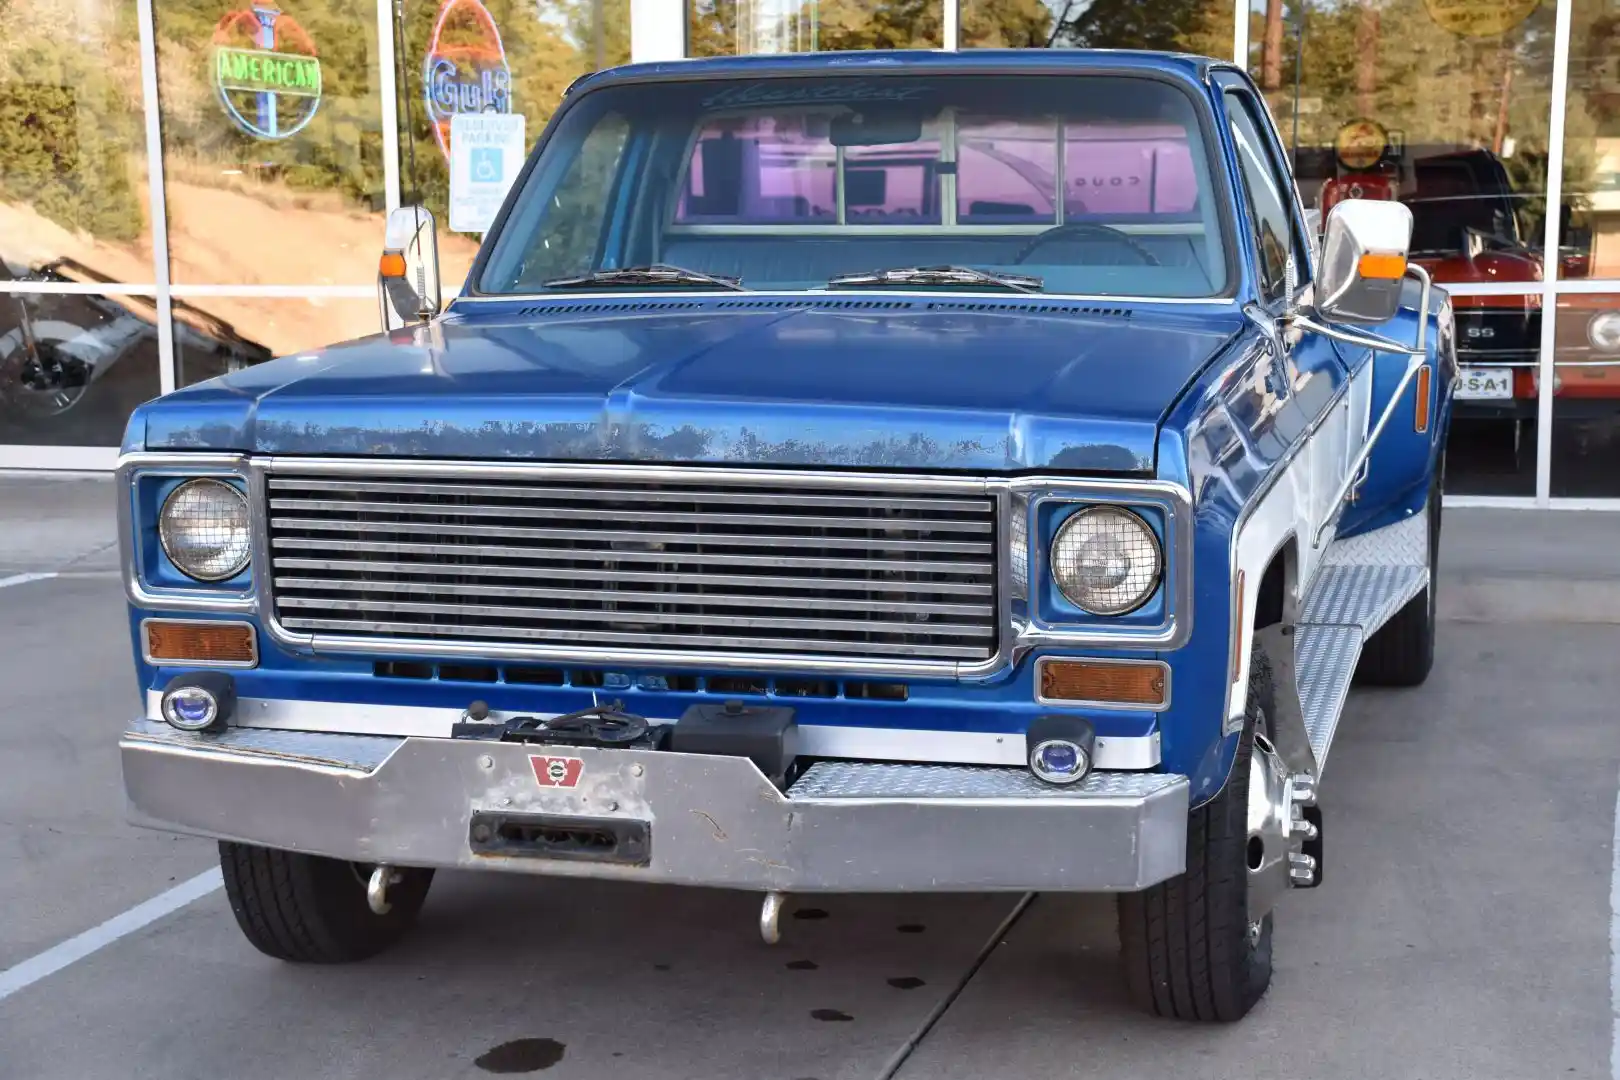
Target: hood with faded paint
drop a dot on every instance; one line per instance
(886, 383)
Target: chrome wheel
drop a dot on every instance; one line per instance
(1270, 844)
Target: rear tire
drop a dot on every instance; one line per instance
(1188, 947)
(1401, 652)
(312, 910)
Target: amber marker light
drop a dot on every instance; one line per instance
(1421, 423)
(391, 265)
(1382, 267)
(1143, 684)
(224, 643)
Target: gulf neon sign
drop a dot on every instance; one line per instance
(266, 72)
(465, 70)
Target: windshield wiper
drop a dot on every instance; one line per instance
(656, 274)
(939, 275)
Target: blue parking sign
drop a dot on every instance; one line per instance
(485, 165)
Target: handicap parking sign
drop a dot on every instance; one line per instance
(486, 152)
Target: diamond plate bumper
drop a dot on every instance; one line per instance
(712, 820)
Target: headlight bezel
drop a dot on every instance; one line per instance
(1612, 319)
(1133, 518)
(151, 582)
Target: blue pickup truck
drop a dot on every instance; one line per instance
(885, 472)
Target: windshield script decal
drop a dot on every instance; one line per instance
(764, 93)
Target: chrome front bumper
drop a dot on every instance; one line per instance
(707, 820)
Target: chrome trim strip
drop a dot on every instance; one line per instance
(1116, 705)
(1119, 753)
(146, 653)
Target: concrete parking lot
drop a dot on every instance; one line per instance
(1465, 928)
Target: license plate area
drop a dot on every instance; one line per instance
(566, 837)
(1485, 384)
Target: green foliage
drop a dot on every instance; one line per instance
(70, 130)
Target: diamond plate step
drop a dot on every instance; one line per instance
(861, 780)
(1324, 660)
(1363, 581)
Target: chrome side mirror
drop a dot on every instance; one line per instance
(1363, 263)
(408, 272)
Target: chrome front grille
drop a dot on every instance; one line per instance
(677, 561)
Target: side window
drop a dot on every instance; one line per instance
(1268, 196)
(574, 222)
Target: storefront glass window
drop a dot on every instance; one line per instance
(73, 203)
(1589, 244)
(1586, 397)
(490, 56)
(72, 367)
(223, 334)
(1193, 26)
(740, 27)
(272, 140)
(1444, 105)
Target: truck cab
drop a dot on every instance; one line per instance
(900, 472)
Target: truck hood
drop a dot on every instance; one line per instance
(879, 383)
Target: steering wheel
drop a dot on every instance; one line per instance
(1090, 230)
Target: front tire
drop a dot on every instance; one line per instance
(1189, 948)
(312, 910)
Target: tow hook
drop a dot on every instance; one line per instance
(770, 917)
(382, 876)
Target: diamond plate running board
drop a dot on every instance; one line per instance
(1362, 583)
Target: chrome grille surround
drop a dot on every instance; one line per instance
(1018, 629)
(666, 559)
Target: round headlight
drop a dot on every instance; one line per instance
(1603, 331)
(1106, 560)
(204, 529)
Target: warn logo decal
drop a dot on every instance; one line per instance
(557, 771)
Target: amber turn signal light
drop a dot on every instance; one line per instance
(1137, 684)
(172, 642)
(1380, 267)
(391, 265)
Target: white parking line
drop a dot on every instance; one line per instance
(1614, 948)
(74, 949)
(23, 579)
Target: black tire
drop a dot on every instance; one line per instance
(1185, 943)
(1401, 653)
(312, 910)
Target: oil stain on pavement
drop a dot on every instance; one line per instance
(521, 1056)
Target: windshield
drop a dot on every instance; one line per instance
(1092, 184)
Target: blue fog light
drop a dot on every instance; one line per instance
(1058, 761)
(190, 708)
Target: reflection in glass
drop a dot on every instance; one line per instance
(72, 367)
(1444, 106)
(1586, 397)
(1203, 27)
(743, 27)
(500, 56)
(272, 140)
(72, 153)
(1589, 244)
(217, 335)
(1493, 427)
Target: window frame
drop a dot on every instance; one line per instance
(1208, 120)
